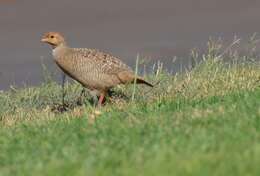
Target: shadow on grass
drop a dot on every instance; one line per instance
(87, 100)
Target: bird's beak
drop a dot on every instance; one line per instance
(44, 40)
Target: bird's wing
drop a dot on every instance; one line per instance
(107, 64)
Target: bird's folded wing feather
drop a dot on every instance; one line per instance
(107, 64)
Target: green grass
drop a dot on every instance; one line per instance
(203, 122)
(214, 136)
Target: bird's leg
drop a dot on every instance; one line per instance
(101, 99)
(63, 91)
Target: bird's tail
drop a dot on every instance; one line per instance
(142, 81)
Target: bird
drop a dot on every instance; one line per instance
(93, 69)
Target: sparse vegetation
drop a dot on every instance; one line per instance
(205, 121)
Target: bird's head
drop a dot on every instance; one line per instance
(55, 39)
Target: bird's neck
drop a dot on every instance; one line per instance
(59, 50)
(62, 44)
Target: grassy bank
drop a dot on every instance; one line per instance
(202, 122)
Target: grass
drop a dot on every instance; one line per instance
(205, 121)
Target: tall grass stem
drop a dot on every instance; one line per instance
(136, 71)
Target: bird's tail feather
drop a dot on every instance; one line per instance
(142, 81)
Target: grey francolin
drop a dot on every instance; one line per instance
(95, 70)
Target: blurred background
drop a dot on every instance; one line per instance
(157, 30)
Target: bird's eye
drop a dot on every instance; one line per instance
(52, 36)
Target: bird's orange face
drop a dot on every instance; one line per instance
(53, 38)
